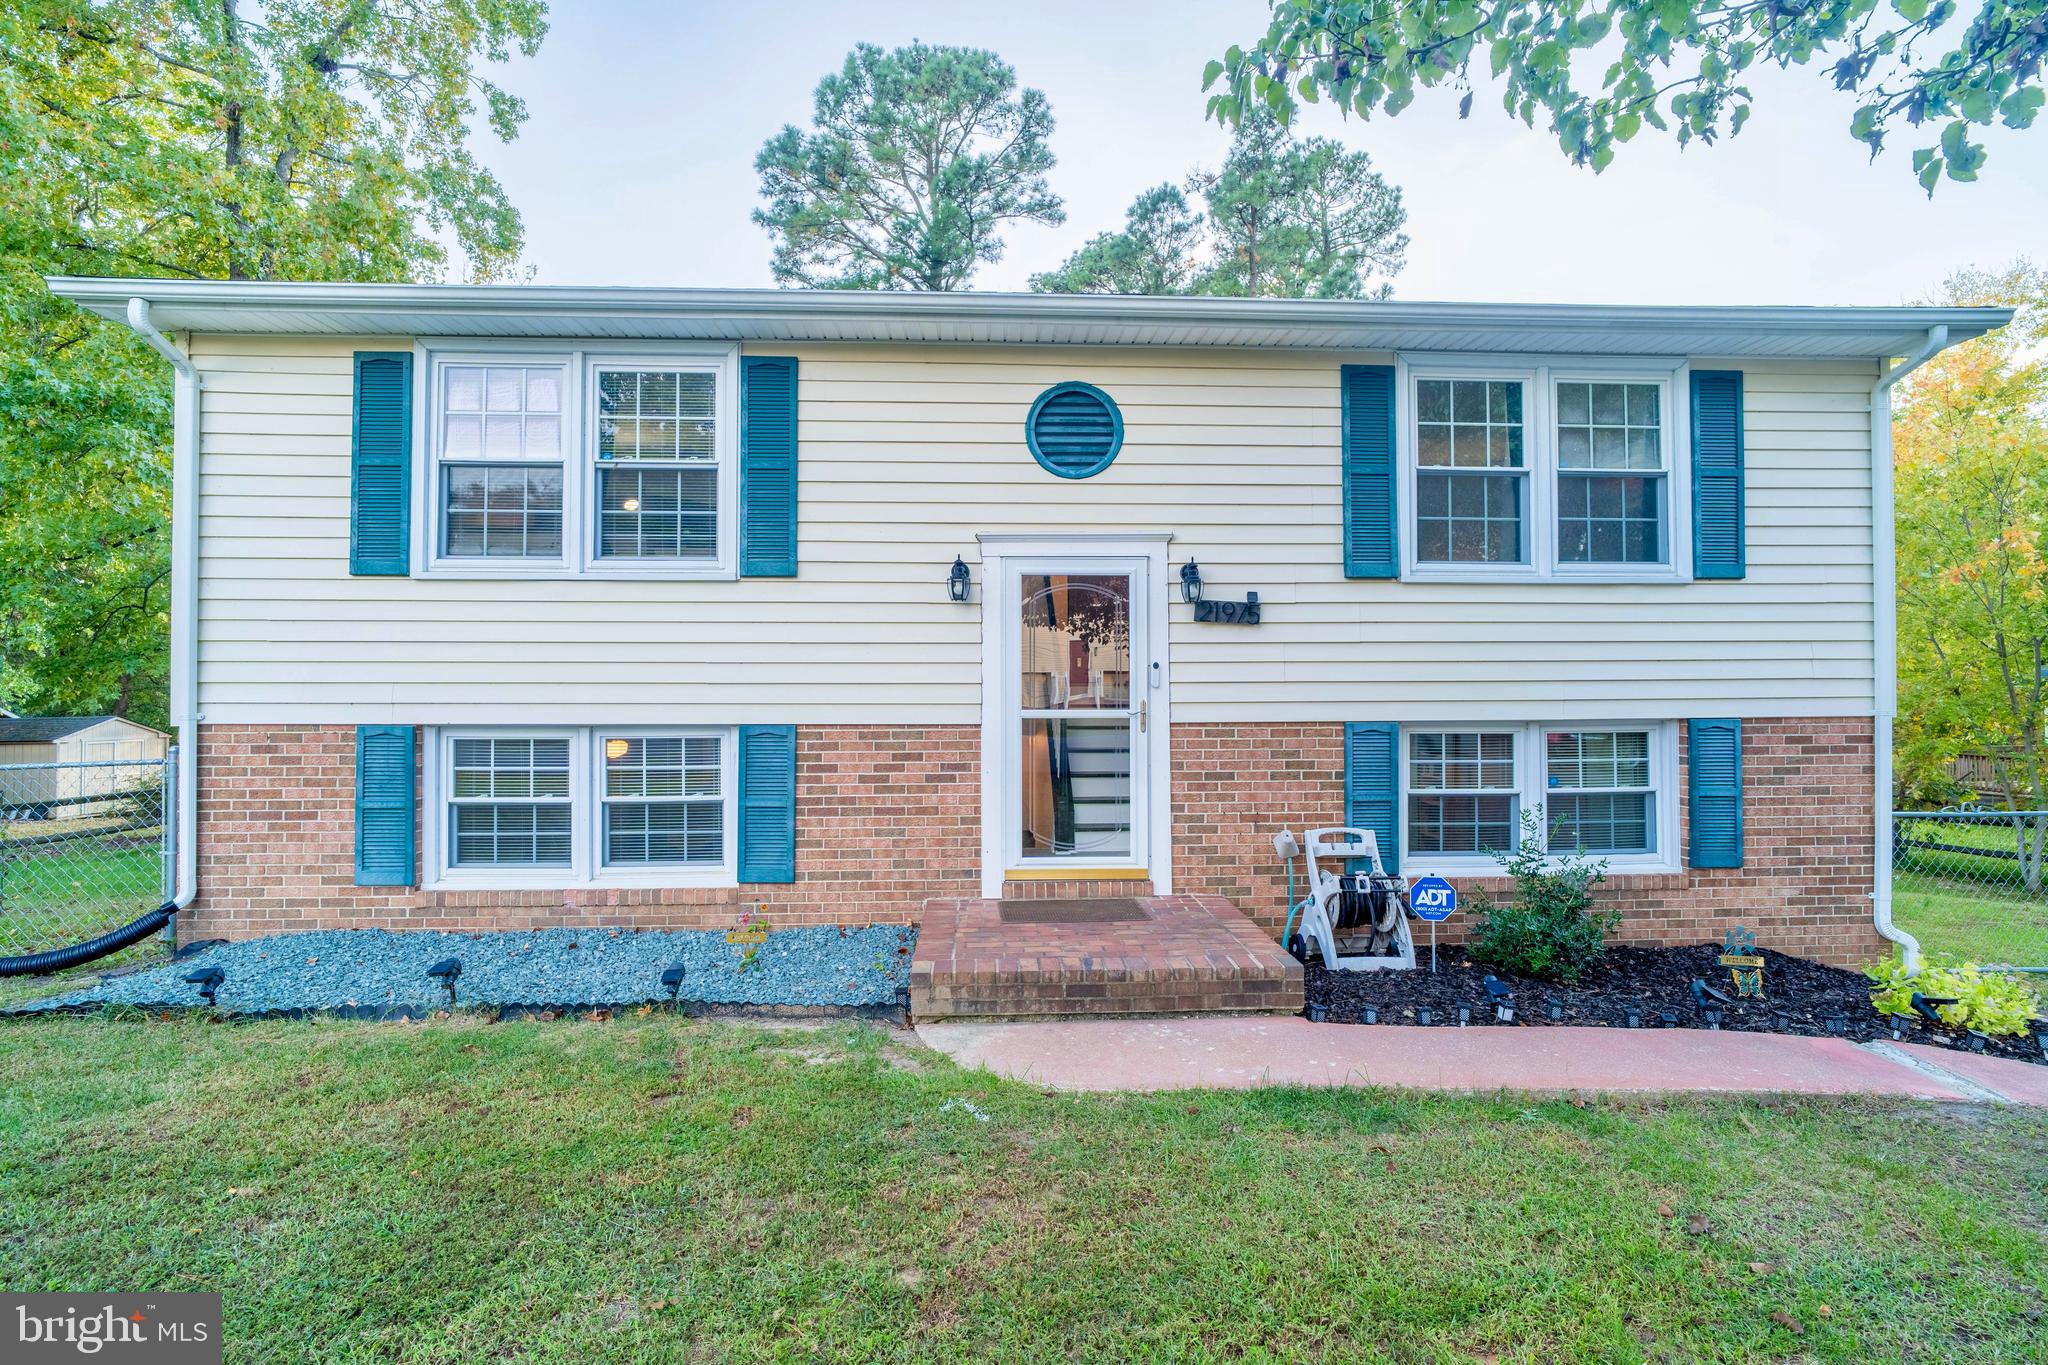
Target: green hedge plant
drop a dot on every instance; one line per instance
(1550, 930)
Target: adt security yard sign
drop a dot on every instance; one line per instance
(1433, 898)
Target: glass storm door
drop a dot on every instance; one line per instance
(1081, 714)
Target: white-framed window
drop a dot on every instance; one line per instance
(1606, 788)
(1471, 470)
(574, 463)
(1565, 469)
(580, 806)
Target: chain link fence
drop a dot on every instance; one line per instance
(1973, 884)
(84, 849)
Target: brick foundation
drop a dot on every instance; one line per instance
(889, 816)
(886, 817)
(1804, 885)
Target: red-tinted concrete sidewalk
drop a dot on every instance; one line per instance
(1233, 1053)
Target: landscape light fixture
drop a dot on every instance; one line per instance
(446, 971)
(1702, 993)
(1781, 1020)
(1633, 1016)
(1898, 1023)
(2041, 1037)
(1371, 1015)
(1190, 583)
(1928, 1007)
(1711, 1016)
(1464, 1014)
(672, 977)
(1503, 999)
(1553, 1010)
(1978, 1040)
(1424, 1015)
(958, 582)
(1318, 1013)
(208, 980)
(1668, 1018)
(1837, 1024)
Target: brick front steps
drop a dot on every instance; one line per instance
(1187, 955)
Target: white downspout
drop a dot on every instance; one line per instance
(184, 592)
(1885, 632)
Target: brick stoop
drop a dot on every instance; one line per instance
(1190, 955)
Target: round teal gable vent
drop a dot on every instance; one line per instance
(1074, 430)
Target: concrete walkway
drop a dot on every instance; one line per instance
(1239, 1052)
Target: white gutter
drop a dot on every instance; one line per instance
(1884, 579)
(184, 593)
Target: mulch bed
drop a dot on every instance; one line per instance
(1654, 980)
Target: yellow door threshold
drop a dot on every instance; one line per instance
(1077, 874)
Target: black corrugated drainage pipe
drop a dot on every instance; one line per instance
(57, 959)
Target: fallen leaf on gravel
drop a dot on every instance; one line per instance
(1788, 1322)
(1698, 1225)
(1762, 1267)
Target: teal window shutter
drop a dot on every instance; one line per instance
(1372, 784)
(385, 772)
(380, 510)
(767, 803)
(1717, 488)
(1714, 792)
(1371, 534)
(768, 466)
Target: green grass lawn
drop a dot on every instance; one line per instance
(657, 1190)
(1975, 907)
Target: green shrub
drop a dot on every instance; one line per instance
(1551, 930)
(1991, 1003)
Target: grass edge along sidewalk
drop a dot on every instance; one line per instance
(655, 1189)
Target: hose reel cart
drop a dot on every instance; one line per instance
(1356, 914)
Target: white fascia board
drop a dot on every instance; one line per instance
(1005, 318)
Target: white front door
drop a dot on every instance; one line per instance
(1074, 716)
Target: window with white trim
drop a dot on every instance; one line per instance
(1610, 473)
(596, 805)
(1462, 792)
(1604, 789)
(1565, 470)
(1599, 791)
(582, 462)
(509, 802)
(663, 800)
(1471, 482)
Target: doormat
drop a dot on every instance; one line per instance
(1105, 910)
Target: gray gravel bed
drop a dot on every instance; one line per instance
(373, 969)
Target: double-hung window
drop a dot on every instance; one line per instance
(501, 461)
(1611, 497)
(1471, 475)
(1463, 796)
(589, 805)
(1603, 789)
(1547, 471)
(580, 463)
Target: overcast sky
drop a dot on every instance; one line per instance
(636, 166)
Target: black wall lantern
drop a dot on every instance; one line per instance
(958, 583)
(1190, 582)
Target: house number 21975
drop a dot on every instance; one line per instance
(1245, 613)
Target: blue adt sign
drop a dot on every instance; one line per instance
(1433, 898)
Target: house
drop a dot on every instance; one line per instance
(514, 606)
(28, 742)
